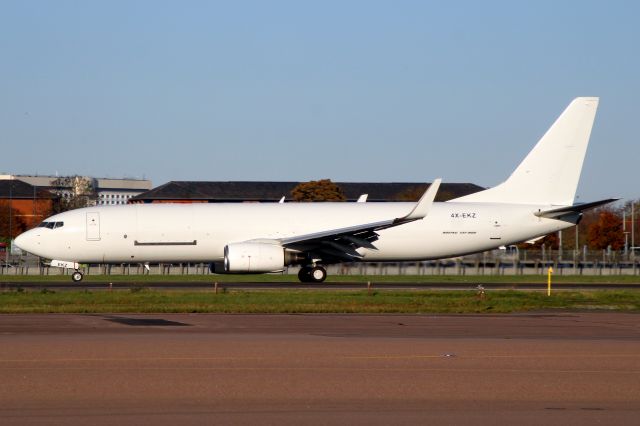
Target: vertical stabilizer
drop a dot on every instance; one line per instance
(550, 172)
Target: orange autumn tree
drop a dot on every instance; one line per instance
(11, 222)
(606, 231)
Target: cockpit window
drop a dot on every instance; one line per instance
(51, 225)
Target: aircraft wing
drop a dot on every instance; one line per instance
(571, 210)
(342, 243)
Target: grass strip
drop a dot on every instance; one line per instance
(142, 300)
(269, 278)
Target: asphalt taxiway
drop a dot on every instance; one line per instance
(526, 369)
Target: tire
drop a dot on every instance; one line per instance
(318, 274)
(77, 276)
(304, 274)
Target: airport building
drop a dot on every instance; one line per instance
(107, 191)
(243, 191)
(27, 204)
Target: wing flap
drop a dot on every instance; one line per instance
(335, 233)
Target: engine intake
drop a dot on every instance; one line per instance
(253, 257)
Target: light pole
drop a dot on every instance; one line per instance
(633, 233)
(8, 249)
(577, 251)
(559, 245)
(626, 245)
(624, 231)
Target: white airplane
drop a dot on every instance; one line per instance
(237, 238)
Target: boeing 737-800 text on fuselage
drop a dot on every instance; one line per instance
(537, 199)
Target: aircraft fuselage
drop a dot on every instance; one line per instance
(199, 232)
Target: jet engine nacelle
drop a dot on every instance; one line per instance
(253, 257)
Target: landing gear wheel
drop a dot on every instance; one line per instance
(303, 274)
(317, 274)
(312, 274)
(77, 276)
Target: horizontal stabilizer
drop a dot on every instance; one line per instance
(534, 240)
(576, 208)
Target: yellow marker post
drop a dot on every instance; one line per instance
(549, 272)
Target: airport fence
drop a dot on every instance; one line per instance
(497, 262)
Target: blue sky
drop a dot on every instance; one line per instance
(292, 90)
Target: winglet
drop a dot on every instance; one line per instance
(423, 206)
(363, 235)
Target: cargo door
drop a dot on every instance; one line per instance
(93, 226)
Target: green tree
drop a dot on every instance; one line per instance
(318, 190)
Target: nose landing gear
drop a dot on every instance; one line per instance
(312, 274)
(76, 276)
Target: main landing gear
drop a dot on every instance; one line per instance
(312, 274)
(77, 276)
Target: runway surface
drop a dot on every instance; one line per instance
(569, 369)
(195, 286)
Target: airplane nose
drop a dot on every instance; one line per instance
(25, 241)
(19, 240)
